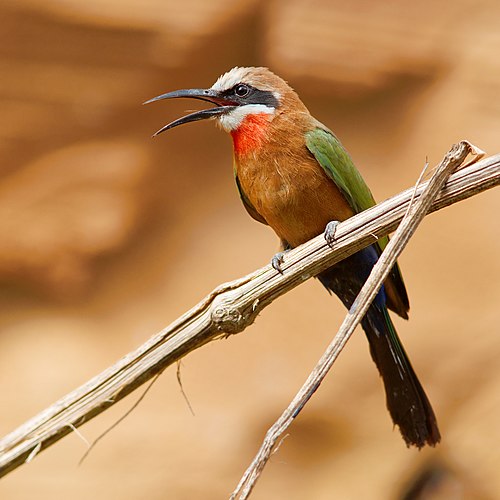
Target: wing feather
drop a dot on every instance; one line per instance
(338, 165)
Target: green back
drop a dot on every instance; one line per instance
(338, 165)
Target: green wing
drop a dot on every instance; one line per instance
(338, 165)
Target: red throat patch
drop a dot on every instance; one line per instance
(250, 134)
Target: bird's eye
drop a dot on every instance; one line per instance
(241, 90)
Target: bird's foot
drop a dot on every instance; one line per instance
(277, 260)
(330, 230)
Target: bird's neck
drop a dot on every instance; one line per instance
(251, 134)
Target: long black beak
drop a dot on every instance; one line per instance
(223, 106)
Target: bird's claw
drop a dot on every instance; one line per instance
(277, 260)
(330, 230)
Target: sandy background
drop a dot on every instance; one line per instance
(108, 235)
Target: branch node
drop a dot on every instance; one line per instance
(228, 317)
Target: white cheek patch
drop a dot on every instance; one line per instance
(231, 121)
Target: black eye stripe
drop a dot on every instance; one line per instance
(252, 96)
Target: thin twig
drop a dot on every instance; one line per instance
(414, 215)
(230, 308)
(179, 381)
(120, 420)
(80, 435)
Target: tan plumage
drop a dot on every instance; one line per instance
(297, 211)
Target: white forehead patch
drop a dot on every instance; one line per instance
(230, 79)
(231, 121)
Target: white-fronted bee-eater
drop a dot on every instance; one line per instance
(294, 175)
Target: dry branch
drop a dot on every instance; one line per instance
(229, 309)
(416, 212)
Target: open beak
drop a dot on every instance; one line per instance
(222, 106)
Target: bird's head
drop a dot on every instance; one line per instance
(242, 95)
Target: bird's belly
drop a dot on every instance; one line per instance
(298, 208)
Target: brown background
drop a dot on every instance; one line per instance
(107, 236)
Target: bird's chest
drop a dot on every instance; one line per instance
(293, 195)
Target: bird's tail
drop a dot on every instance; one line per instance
(407, 402)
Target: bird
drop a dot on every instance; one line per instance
(294, 175)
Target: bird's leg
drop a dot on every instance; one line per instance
(277, 260)
(329, 233)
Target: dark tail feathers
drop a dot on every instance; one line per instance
(407, 402)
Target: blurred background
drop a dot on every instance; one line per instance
(108, 236)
